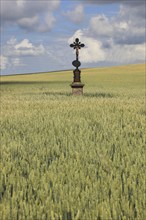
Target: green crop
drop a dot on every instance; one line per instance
(65, 157)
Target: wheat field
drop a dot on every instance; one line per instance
(65, 157)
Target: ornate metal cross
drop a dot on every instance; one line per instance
(77, 86)
(77, 45)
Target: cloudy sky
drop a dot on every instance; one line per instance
(35, 34)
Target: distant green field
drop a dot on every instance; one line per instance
(65, 157)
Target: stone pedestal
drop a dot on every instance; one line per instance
(77, 88)
(77, 75)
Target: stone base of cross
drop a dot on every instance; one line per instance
(77, 88)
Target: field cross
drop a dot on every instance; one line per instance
(77, 85)
(77, 45)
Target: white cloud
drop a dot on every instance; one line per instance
(96, 51)
(3, 62)
(76, 15)
(118, 39)
(23, 45)
(123, 25)
(13, 48)
(20, 3)
(36, 24)
(47, 23)
(107, 29)
(125, 53)
(92, 51)
(28, 14)
(100, 25)
(13, 52)
(29, 23)
(137, 10)
(120, 30)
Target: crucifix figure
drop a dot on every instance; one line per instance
(77, 86)
(77, 45)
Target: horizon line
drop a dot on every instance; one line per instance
(53, 71)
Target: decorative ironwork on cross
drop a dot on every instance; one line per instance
(77, 45)
(77, 86)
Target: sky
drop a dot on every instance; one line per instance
(36, 34)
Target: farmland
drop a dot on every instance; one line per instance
(65, 157)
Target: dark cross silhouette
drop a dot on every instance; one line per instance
(76, 85)
(77, 45)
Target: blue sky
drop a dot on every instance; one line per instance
(35, 34)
